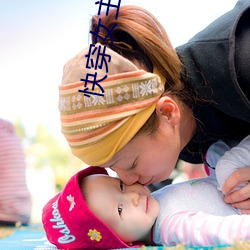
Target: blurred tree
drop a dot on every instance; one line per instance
(20, 130)
(45, 150)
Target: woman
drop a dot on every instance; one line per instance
(138, 124)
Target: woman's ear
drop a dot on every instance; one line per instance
(168, 109)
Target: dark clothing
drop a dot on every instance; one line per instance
(217, 67)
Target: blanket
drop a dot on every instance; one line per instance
(33, 237)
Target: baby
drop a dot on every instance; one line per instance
(96, 211)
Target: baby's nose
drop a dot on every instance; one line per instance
(133, 197)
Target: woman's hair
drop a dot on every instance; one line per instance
(140, 38)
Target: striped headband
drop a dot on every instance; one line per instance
(96, 126)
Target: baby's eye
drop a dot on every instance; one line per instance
(120, 206)
(121, 186)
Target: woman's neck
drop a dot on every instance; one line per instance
(187, 125)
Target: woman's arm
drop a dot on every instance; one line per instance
(237, 157)
(233, 175)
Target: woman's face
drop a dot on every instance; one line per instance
(147, 159)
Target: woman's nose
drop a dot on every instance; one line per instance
(126, 177)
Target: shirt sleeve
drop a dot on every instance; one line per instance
(214, 153)
(237, 157)
(15, 198)
(201, 229)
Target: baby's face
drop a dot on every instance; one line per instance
(130, 211)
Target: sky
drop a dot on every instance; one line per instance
(38, 37)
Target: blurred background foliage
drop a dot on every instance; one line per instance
(44, 150)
